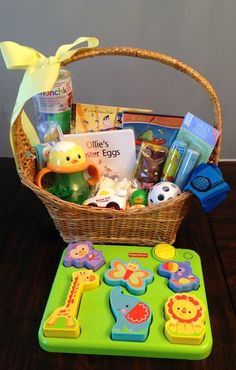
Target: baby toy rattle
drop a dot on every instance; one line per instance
(163, 191)
(73, 176)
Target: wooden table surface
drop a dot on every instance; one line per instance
(30, 249)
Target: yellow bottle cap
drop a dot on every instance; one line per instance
(164, 251)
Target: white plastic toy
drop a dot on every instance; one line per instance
(112, 193)
(108, 198)
(162, 192)
(124, 185)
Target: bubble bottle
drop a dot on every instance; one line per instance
(53, 107)
(188, 163)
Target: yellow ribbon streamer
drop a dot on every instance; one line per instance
(41, 72)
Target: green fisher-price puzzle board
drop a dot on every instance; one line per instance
(96, 319)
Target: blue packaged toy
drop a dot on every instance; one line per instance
(208, 185)
(199, 136)
(188, 163)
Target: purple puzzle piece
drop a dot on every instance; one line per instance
(82, 254)
(181, 278)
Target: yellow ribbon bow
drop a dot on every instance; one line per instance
(41, 72)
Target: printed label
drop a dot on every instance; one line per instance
(137, 255)
(58, 100)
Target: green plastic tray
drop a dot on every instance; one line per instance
(96, 319)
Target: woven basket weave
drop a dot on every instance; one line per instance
(146, 226)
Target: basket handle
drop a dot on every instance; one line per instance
(170, 61)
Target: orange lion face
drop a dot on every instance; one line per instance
(184, 308)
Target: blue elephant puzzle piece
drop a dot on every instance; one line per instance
(181, 278)
(133, 317)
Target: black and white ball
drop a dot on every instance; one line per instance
(162, 192)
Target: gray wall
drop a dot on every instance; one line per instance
(201, 33)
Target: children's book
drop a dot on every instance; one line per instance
(91, 117)
(153, 128)
(112, 151)
(199, 136)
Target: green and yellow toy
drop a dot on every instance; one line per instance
(139, 199)
(72, 175)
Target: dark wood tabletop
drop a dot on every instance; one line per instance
(31, 247)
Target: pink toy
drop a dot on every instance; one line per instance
(82, 254)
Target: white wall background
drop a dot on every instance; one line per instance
(201, 33)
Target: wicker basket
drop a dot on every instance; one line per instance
(146, 226)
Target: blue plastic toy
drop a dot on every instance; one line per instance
(130, 274)
(208, 185)
(133, 317)
(181, 278)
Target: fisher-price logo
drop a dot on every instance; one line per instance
(137, 255)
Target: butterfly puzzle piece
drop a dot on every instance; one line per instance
(133, 317)
(130, 274)
(82, 254)
(185, 315)
(181, 278)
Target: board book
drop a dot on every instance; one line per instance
(96, 319)
(153, 128)
(91, 117)
(112, 151)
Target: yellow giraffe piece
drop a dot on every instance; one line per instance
(63, 322)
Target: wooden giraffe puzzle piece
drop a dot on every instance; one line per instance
(82, 254)
(133, 317)
(185, 315)
(63, 322)
(130, 274)
(181, 278)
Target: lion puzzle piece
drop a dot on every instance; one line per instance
(185, 315)
(63, 322)
(181, 278)
(82, 254)
(130, 274)
(133, 317)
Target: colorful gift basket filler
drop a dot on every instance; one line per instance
(140, 226)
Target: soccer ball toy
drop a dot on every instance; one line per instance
(163, 191)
